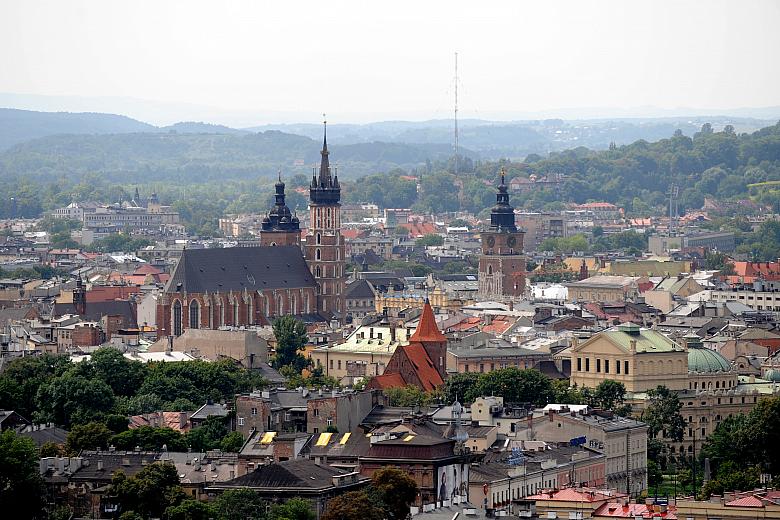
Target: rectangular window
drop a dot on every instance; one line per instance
(606, 366)
(587, 364)
(598, 365)
(579, 364)
(625, 367)
(339, 364)
(481, 367)
(331, 364)
(240, 421)
(316, 412)
(254, 411)
(617, 366)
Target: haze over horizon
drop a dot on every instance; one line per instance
(245, 64)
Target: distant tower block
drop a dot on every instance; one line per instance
(502, 265)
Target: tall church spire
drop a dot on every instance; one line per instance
(325, 179)
(325, 188)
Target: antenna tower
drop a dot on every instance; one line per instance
(456, 114)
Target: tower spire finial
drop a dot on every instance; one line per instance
(503, 173)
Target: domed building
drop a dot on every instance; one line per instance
(708, 369)
(772, 374)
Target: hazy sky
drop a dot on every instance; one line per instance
(368, 60)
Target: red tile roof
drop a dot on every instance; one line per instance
(351, 234)
(419, 229)
(388, 381)
(427, 330)
(617, 510)
(748, 501)
(424, 367)
(573, 495)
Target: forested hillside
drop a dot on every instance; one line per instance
(205, 175)
(18, 126)
(636, 176)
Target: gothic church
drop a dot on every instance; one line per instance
(244, 286)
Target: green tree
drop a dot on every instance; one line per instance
(150, 438)
(430, 240)
(293, 509)
(21, 487)
(410, 395)
(354, 505)
(190, 509)
(209, 435)
(232, 442)
(291, 339)
(150, 492)
(239, 503)
(50, 449)
(654, 474)
(610, 394)
(124, 376)
(90, 436)
(397, 491)
(71, 399)
(662, 414)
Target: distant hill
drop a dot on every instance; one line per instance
(18, 126)
(202, 157)
(190, 127)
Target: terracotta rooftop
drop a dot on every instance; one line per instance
(427, 330)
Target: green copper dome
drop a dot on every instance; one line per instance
(772, 374)
(704, 360)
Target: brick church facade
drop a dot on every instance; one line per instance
(245, 286)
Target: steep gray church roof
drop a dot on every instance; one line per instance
(239, 268)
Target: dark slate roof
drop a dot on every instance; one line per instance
(359, 289)
(129, 462)
(239, 268)
(210, 410)
(300, 473)
(40, 437)
(96, 310)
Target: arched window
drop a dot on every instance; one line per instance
(318, 271)
(221, 310)
(194, 314)
(267, 311)
(306, 307)
(490, 270)
(317, 254)
(176, 318)
(293, 305)
(235, 312)
(279, 306)
(250, 311)
(211, 316)
(319, 239)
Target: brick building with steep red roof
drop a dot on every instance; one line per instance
(421, 363)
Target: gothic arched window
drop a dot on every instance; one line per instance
(194, 314)
(317, 254)
(176, 311)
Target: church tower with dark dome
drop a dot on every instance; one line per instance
(502, 265)
(280, 227)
